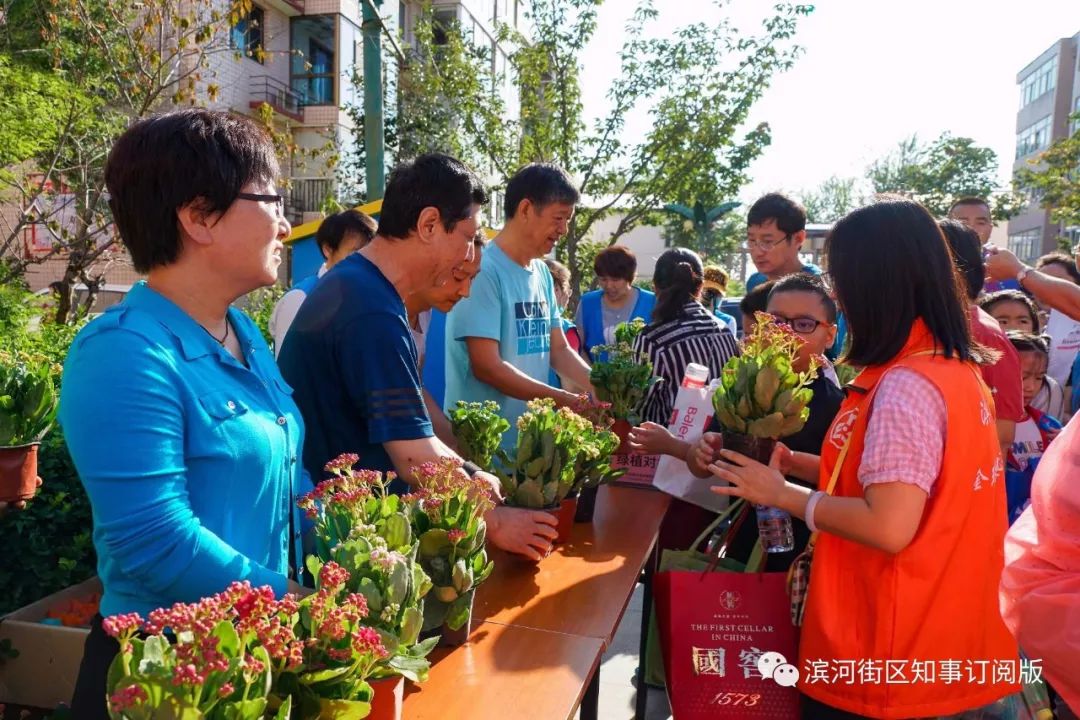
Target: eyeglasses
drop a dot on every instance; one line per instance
(763, 244)
(278, 200)
(801, 325)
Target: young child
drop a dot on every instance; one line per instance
(1036, 431)
(1016, 311)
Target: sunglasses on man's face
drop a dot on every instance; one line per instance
(801, 325)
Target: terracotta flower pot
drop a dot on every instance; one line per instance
(388, 698)
(564, 513)
(622, 428)
(760, 449)
(456, 638)
(18, 472)
(586, 505)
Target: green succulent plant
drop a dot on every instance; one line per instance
(623, 378)
(478, 428)
(27, 399)
(761, 394)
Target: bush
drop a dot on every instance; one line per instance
(48, 546)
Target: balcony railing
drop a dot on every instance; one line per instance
(278, 95)
(307, 195)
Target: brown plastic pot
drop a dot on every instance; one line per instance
(755, 448)
(18, 472)
(622, 428)
(456, 638)
(388, 698)
(564, 514)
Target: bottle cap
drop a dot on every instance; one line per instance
(697, 374)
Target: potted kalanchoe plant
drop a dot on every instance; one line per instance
(478, 429)
(542, 473)
(594, 468)
(448, 517)
(368, 531)
(623, 379)
(762, 398)
(27, 410)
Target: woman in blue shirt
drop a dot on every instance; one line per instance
(177, 419)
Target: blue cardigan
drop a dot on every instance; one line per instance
(190, 460)
(592, 317)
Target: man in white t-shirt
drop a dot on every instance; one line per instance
(339, 235)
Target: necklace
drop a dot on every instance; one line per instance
(225, 337)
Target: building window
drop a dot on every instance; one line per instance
(313, 62)
(246, 36)
(1040, 82)
(1033, 138)
(1026, 245)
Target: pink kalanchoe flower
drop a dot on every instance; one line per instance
(226, 690)
(345, 461)
(332, 575)
(456, 535)
(367, 640)
(124, 624)
(127, 698)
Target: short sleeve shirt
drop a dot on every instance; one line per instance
(515, 306)
(352, 362)
(1003, 377)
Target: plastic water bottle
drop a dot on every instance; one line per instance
(774, 528)
(696, 376)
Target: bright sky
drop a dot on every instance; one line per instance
(873, 72)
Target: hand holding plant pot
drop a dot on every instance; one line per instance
(762, 398)
(27, 410)
(478, 428)
(448, 516)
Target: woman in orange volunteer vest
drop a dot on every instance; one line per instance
(902, 616)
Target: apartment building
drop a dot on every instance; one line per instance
(1049, 93)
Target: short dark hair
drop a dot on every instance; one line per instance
(890, 266)
(1029, 342)
(559, 272)
(162, 163)
(432, 180)
(757, 300)
(1064, 260)
(678, 277)
(616, 262)
(967, 254)
(970, 200)
(541, 184)
(988, 302)
(807, 283)
(333, 229)
(789, 216)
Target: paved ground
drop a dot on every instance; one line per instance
(617, 693)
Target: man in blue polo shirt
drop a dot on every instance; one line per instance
(775, 233)
(350, 355)
(505, 338)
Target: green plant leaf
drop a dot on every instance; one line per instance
(435, 542)
(344, 709)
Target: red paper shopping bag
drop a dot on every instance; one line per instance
(714, 628)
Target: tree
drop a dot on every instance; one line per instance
(832, 199)
(938, 173)
(697, 86)
(1055, 178)
(116, 61)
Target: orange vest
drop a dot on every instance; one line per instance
(933, 605)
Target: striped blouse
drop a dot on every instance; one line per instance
(696, 336)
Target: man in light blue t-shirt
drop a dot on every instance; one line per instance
(505, 338)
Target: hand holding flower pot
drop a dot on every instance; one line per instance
(27, 410)
(762, 398)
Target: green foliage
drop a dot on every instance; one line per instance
(940, 172)
(760, 393)
(622, 378)
(27, 398)
(1055, 178)
(259, 305)
(545, 466)
(478, 429)
(832, 199)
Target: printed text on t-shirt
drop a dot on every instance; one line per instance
(533, 327)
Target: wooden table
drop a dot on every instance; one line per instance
(505, 671)
(583, 587)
